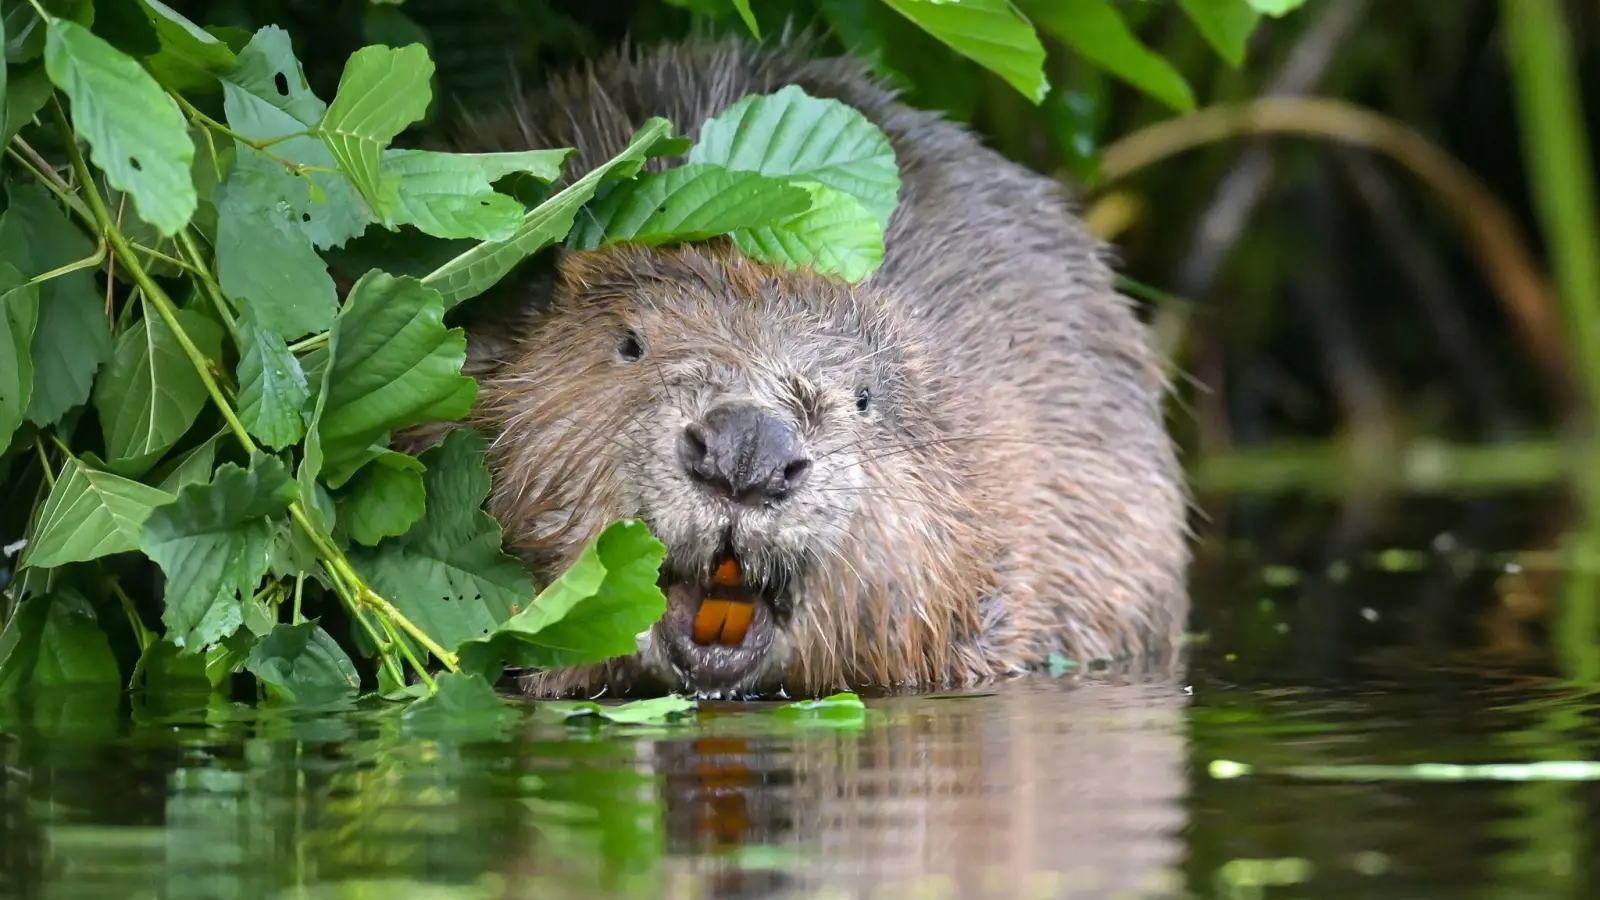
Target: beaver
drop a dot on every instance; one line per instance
(946, 473)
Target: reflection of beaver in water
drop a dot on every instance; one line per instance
(945, 473)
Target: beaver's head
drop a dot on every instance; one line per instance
(782, 434)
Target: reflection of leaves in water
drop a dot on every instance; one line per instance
(599, 815)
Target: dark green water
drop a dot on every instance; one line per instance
(1099, 785)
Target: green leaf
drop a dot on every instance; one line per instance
(193, 467)
(90, 514)
(325, 203)
(54, 640)
(1096, 31)
(463, 704)
(451, 195)
(150, 393)
(448, 573)
(593, 612)
(653, 711)
(19, 316)
(794, 135)
(73, 337)
(841, 710)
(687, 203)
(383, 500)
(136, 134)
(265, 258)
(1277, 7)
(478, 269)
(743, 6)
(382, 91)
(303, 664)
(836, 235)
(212, 543)
(391, 363)
(190, 58)
(272, 387)
(992, 33)
(842, 700)
(21, 101)
(1225, 24)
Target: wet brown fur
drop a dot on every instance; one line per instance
(1017, 496)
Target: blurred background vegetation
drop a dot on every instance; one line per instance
(1366, 238)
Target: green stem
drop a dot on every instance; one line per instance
(144, 635)
(335, 558)
(197, 264)
(88, 262)
(405, 648)
(1539, 47)
(29, 159)
(310, 343)
(299, 589)
(44, 462)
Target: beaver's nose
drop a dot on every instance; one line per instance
(741, 452)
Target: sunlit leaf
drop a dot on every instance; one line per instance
(19, 316)
(212, 544)
(687, 203)
(302, 663)
(1225, 24)
(792, 134)
(1277, 7)
(992, 33)
(448, 573)
(477, 270)
(272, 387)
(652, 711)
(151, 393)
(89, 514)
(593, 612)
(135, 132)
(392, 363)
(451, 195)
(382, 91)
(1096, 30)
(836, 235)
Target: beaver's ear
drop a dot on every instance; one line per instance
(579, 270)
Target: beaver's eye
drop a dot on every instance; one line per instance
(630, 348)
(863, 400)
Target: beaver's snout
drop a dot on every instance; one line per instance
(741, 452)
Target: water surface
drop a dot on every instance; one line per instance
(1088, 784)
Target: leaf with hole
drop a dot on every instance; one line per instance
(478, 269)
(382, 91)
(266, 98)
(792, 134)
(89, 514)
(150, 393)
(451, 195)
(687, 203)
(448, 573)
(212, 543)
(136, 134)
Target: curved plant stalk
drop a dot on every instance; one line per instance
(1507, 263)
(348, 583)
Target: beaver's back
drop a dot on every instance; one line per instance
(1059, 394)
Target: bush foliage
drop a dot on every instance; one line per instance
(195, 423)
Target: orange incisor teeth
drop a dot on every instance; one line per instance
(728, 574)
(722, 621)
